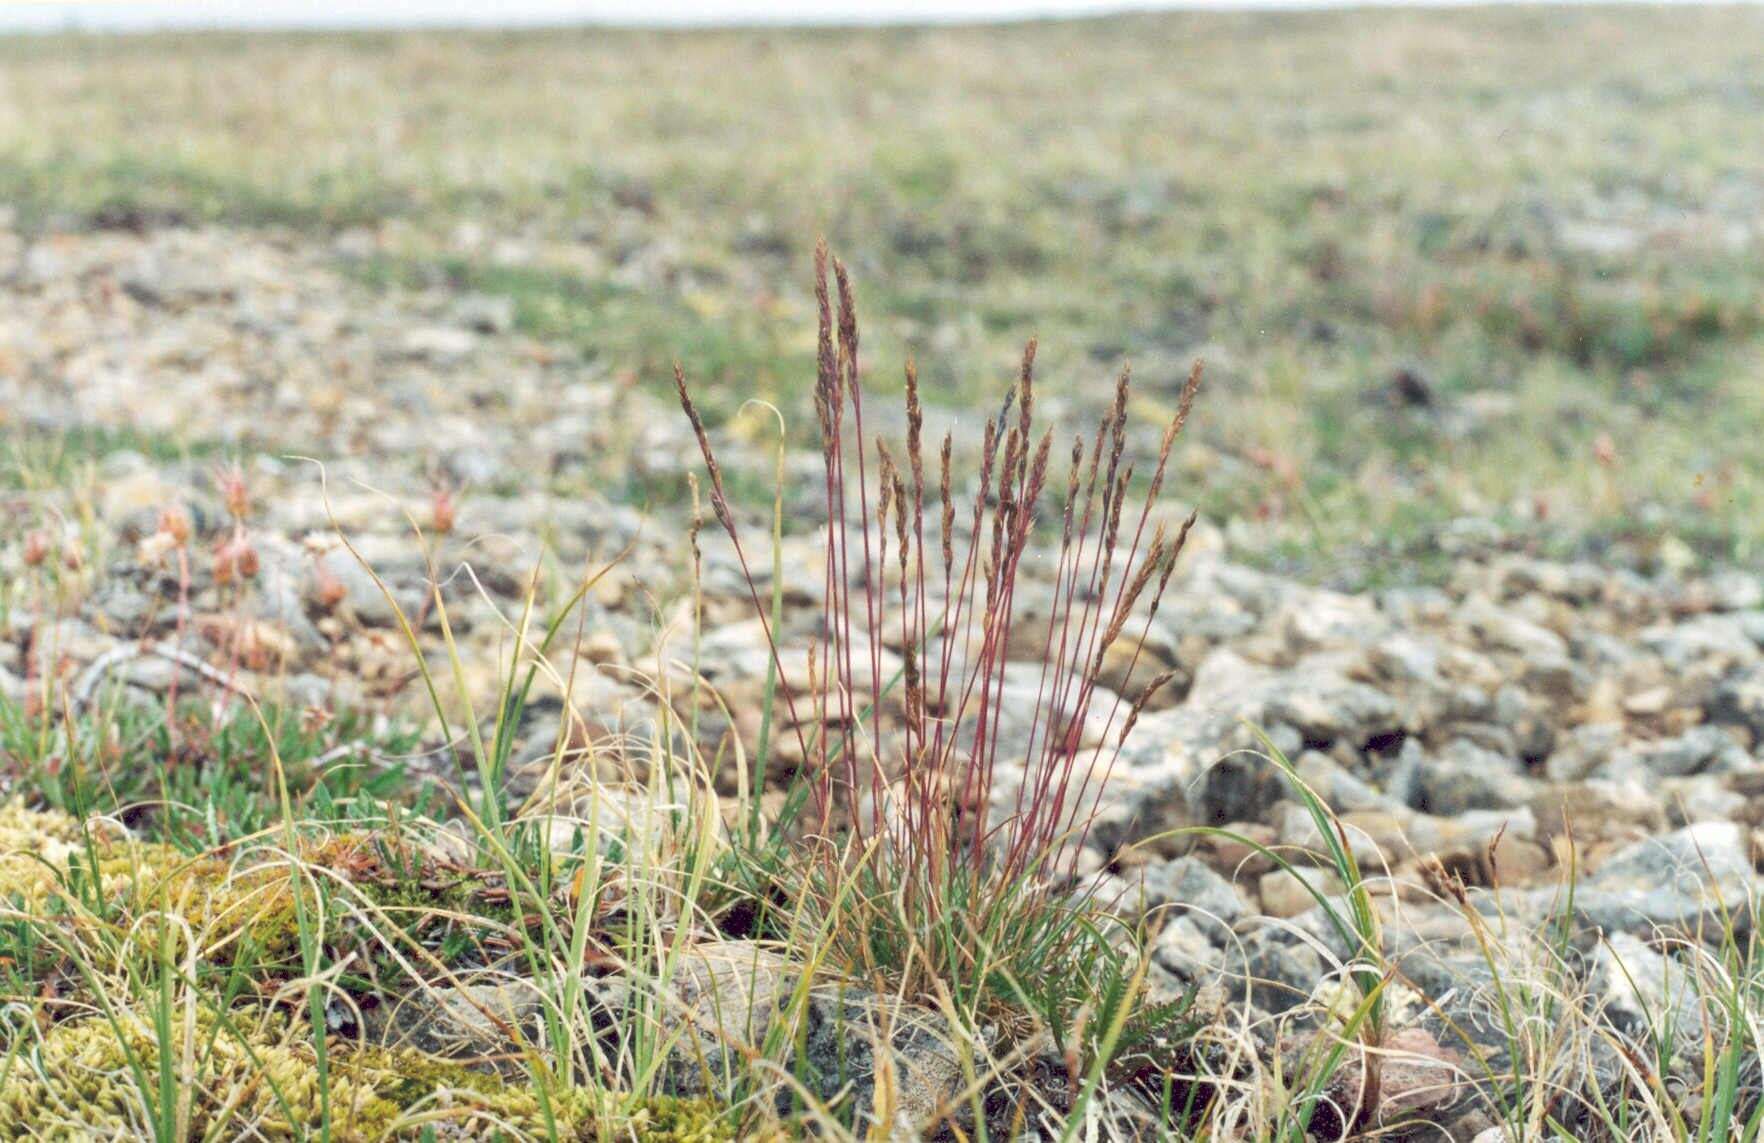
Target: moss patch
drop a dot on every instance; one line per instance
(101, 1078)
(161, 964)
(245, 1078)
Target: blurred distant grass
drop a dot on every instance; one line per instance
(45, 459)
(131, 191)
(632, 331)
(1546, 219)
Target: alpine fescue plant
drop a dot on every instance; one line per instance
(916, 795)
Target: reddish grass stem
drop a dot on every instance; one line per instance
(918, 775)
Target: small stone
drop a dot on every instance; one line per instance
(1281, 971)
(1739, 701)
(1416, 1077)
(1328, 620)
(441, 345)
(1652, 701)
(1187, 888)
(460, 1021)
(1502, 629)
(1596, 810)
(1681, 881)
(485, 313)
(1463, 776)
(602, 648)
(1644, 991)
(1699, 749)
(729, 994)
(1288, 893)
(1584, 749)
(1185, 950)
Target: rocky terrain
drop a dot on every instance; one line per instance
(1485, 745)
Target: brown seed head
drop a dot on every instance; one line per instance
(442, 510)
(1072, 491)
(915, 435)
(1112, 524)
(174, 522)
(901, 523)
(1153, 561)
(719, 502)
(1183, 407)
(848, 329)
(826, 364)
(948, 506)
(1037, 477)
(235, 559)
(888, 482)
(1118, 423)
(230, 480)
(988, 454)
(1145, 696)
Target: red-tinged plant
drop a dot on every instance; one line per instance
(904, 771)
(229, 480)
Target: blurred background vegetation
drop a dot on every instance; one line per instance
(1495, 264)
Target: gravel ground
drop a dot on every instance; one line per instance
(1524, 711)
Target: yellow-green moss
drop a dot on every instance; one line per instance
(49, 877)
(26, 830)
(33, 843)
(48, 867)
(118, 905)
(76, 1082)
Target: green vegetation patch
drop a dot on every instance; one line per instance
(1441, 283)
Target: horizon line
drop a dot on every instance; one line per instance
(112, 17)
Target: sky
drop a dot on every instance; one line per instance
(141, 15)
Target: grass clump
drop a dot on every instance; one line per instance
(933, 858)
(1612, 1037)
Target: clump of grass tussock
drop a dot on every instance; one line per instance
(933, 860)
(1316, 1070)
(209, 784)
(598, 879)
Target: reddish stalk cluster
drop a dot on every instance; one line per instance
(912, 784)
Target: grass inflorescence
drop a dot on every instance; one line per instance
(938, 859)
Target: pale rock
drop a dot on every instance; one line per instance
(1287, 893)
